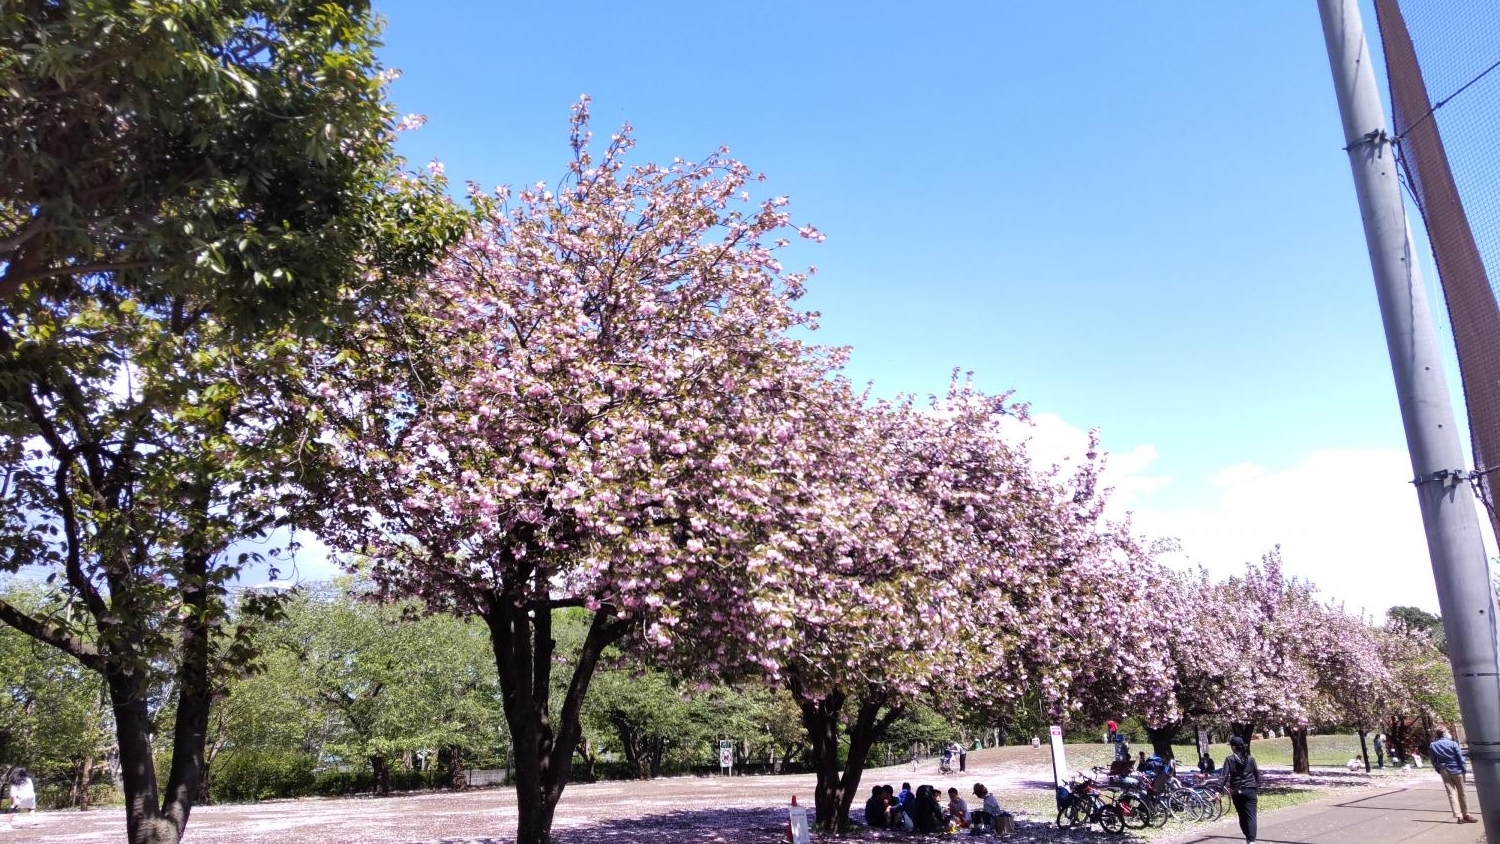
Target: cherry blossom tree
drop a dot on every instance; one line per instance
(943, 566)
(1264, 618)
(1186, 619)
(1353, 687)
(595, 403)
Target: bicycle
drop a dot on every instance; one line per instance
(1086, 804)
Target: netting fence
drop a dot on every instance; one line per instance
(1443, 65)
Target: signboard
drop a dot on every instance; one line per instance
(726, 754)
(1059, 759)
(797, 824)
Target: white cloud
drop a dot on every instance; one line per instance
(1346, 519)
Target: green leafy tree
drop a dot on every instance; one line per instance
(394, 682)
(191, 192)
(52, 712)
(645, 713)
(262, 717)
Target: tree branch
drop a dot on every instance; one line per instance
(56, 637)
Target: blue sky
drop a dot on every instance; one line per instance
(1138, 216)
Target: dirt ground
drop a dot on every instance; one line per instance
(721, 810)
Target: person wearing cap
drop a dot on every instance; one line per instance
(1242, 778)
(1448, 760)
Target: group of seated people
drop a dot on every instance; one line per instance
(921, 810)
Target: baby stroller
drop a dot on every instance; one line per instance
(945, 762)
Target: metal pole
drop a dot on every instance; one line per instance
(1459, 567)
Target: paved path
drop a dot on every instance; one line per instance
(1415, 813)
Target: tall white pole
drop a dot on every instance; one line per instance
(1459, 567)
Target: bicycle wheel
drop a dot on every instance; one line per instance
(1112, 820)
(1185, 804)
(1135, 811)
(1216, 803)
(1067, 817)
(1160, 811)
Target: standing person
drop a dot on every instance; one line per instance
(1242, 778)
(22, 794)
(1448, 760)
(963, 759)
(1380, 750)
(1112, 729)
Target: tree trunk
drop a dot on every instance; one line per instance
(144, 822)
(1243, 729)
(1161, 738)
(836, 787)
(1364, 751)
(590, 760)
(869, 725)
(821, 718)
(521, 637)
(630, 744)
(81, 782)
(380, 768)
(1299, 750)
(657, 748)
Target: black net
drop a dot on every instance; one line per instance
(1443, 66)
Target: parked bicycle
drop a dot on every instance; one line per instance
(1088, 803)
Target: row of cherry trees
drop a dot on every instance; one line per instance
(1261, 650)
(603, 400)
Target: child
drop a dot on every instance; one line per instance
(22, 794)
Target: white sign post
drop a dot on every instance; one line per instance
(726, 756)
(797, 823)
(1059, 759)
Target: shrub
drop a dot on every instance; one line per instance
(254, 775)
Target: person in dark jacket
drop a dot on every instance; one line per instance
(1242, 778)
(927, 813)
(875, 809)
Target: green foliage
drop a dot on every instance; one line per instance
(385, 680)
(238, 151)
(920, 724)
(194, 193)
(52, 711)
(253, 774)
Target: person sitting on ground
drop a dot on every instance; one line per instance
(1353, 764)
(892, 807)
(1141, 765)
(989, 812)
(875, 811)
(958, 809)
(905, 797)
(927, 814)
(1206, 764)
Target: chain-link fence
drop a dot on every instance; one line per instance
(1443, 66)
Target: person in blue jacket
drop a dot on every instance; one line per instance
(1448, 760)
